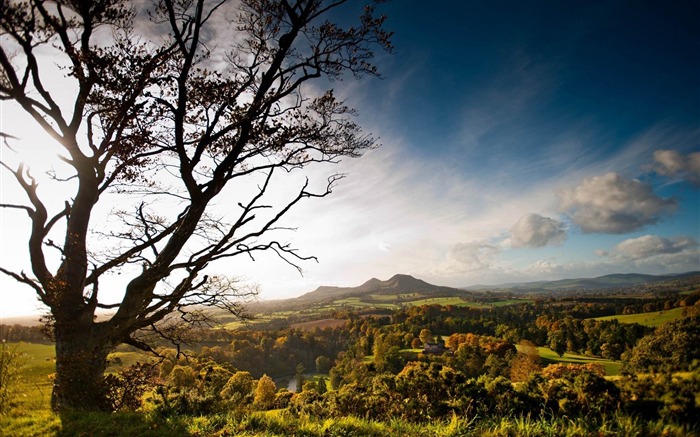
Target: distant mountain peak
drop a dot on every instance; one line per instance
(397, 284)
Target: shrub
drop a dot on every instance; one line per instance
(11, 362)
(126, 388)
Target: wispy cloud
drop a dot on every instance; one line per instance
(650, 246)
(674, 163)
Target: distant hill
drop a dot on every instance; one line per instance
(407, 290)
(599, 283)
(31, 320)
(395, 286)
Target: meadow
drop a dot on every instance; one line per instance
(548, 356)
(652, 319)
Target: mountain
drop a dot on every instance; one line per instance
(598, 283)
(395, 286)
(405, 289)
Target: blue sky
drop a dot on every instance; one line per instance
(579, 121)
(521, 141)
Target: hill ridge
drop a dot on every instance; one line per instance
(397, 284)
(596, 283)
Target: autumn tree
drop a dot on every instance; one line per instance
(238, 387)
(526, 362)
(186, 122)
(426, 336)
(265, 391)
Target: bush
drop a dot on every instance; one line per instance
(11, 362)
(126, 388)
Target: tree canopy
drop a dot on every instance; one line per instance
(174, 107)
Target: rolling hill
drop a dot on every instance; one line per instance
(406, 290)
(397, 290)
(620, 280)
(397, 285)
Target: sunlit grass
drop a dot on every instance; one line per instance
(120, 360)
(652, 319)
(548, 356)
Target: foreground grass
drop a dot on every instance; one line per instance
(283, 423)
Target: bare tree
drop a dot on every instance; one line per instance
(175, 120)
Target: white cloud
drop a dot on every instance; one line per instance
(649, 246)
(470, 257)
(612, 204)
(672, 163)
(544, 269)
(651, 254)
(534, 230)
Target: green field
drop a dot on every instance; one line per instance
(548, 356)
(34, 386)
(447, 300)
(120, 360)
(652, 319)
(358, 303)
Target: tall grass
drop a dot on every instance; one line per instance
(283, 423)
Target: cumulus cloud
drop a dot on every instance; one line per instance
(648, 246)
(470, 257)
(544, 269)
(613, 204)
(534, 230)
(673, 163)
(654, 255)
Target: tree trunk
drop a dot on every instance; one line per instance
(81, 360)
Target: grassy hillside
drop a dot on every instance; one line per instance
(548, 356)
(652, 319)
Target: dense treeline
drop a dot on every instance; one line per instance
(278, 353)
(487, 377)
(30, 334)
(543, 325)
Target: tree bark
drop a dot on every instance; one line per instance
(81, 360)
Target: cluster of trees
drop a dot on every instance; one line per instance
(549, 325)
(485, 376)
(387, 340)
(30, 334)
(673, 346)
(277, 353)
(423, 391)
(433, 390)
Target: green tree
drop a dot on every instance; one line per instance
(182, 376)
(336, 378)
(323, 364)
(162, 127)
(321, 385)
(557, 342)
(238, 388)
(672, 346)
(300, 379)
(426, 336)
(265, 393)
